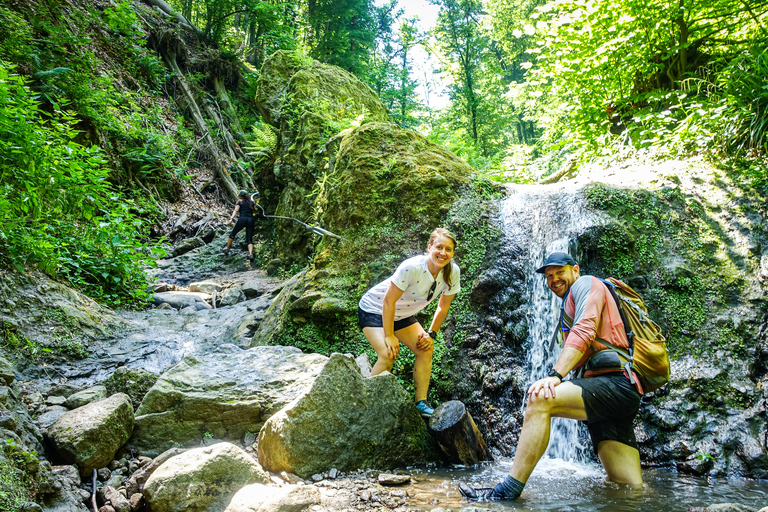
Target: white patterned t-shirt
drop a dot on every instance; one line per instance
(414, 278)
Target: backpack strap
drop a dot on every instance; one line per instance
(566, 323)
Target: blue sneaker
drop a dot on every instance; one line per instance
(424, 408)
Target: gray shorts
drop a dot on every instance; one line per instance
(611, 403)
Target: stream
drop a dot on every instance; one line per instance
(559, 486)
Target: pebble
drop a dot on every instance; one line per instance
(390, 479)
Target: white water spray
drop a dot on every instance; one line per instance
(542, 220)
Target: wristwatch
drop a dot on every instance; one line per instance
(432, 334)
(553, 373)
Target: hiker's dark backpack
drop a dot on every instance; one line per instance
(647, 353)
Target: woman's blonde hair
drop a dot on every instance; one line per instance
(442, 232)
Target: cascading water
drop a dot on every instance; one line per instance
(540, 221)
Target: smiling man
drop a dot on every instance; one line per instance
(605, 396)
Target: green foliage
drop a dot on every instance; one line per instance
(18, 486)
(122, 20)
(59, 213)
(15, 342)
(15, 36)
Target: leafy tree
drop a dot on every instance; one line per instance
(602, 61)
(341, 32)
(462, 42)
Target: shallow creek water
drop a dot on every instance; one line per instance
(560, 486)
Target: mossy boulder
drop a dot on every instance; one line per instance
(309, 103)
(369, 423)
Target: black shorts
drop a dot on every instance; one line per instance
(366, 319)
(611, 403)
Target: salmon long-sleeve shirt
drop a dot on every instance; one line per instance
(595, 315)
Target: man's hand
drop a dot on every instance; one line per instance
(425, 341)
(393, 346)
(547, 384)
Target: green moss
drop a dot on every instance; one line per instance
(681, 256)
(18, 480)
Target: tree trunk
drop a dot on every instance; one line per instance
(457, 435)
(220, 160)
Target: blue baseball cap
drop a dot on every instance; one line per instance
(556, 259)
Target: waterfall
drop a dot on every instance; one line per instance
(541, 220)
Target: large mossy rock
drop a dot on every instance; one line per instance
(223, 395)
(392, 188)
(89, 436)
(346, 422)
(309, 103)
(201, 480)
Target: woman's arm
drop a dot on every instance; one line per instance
(388, 319)
(234, 212)
(425, 340)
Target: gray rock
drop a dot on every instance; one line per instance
(392, 479)
(261, 498)
(180, 300)
(55, 400)
(119, 502)
(187, 245)
(91, 435)
(201, 479)
(225, 394)
(231, 296)
(729, 507)
(50, 416)
(137, 501)
(86, 396)
(252, 289)
(7, 372)
(372, 421)
(134, 382)
(364, 364)
(136, 482)
(205, 287)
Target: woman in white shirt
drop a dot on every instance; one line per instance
(385, 313)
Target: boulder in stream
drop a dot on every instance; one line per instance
(262, 498)
(346, 422)
(222, 395)
(202, 479)
(91, 435)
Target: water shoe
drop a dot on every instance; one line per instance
(424, 409)
(478, 494)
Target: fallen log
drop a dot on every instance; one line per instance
(457, 435)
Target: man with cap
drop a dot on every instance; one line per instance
(606, 398)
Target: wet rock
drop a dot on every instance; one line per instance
(252, 289)
(55, 400)
(392, 479)
(50, 416)
(180, 300)
(91, 435)
(134, 382)
(7, 373)
(66, 390)
(261, 498)
(201, 479)
(231, 296)
(137, 501)
(207, 287)
(86, 396)
(135, 484)
(227, 393)
(187, 245)
(119, 502)
(729, 507)
(373, 423)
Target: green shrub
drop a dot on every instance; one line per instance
(58, 211)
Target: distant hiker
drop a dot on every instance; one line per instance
(244, 207)
(603, 396)
(385, 313)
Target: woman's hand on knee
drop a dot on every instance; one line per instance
(393, 346)
(425, 342)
